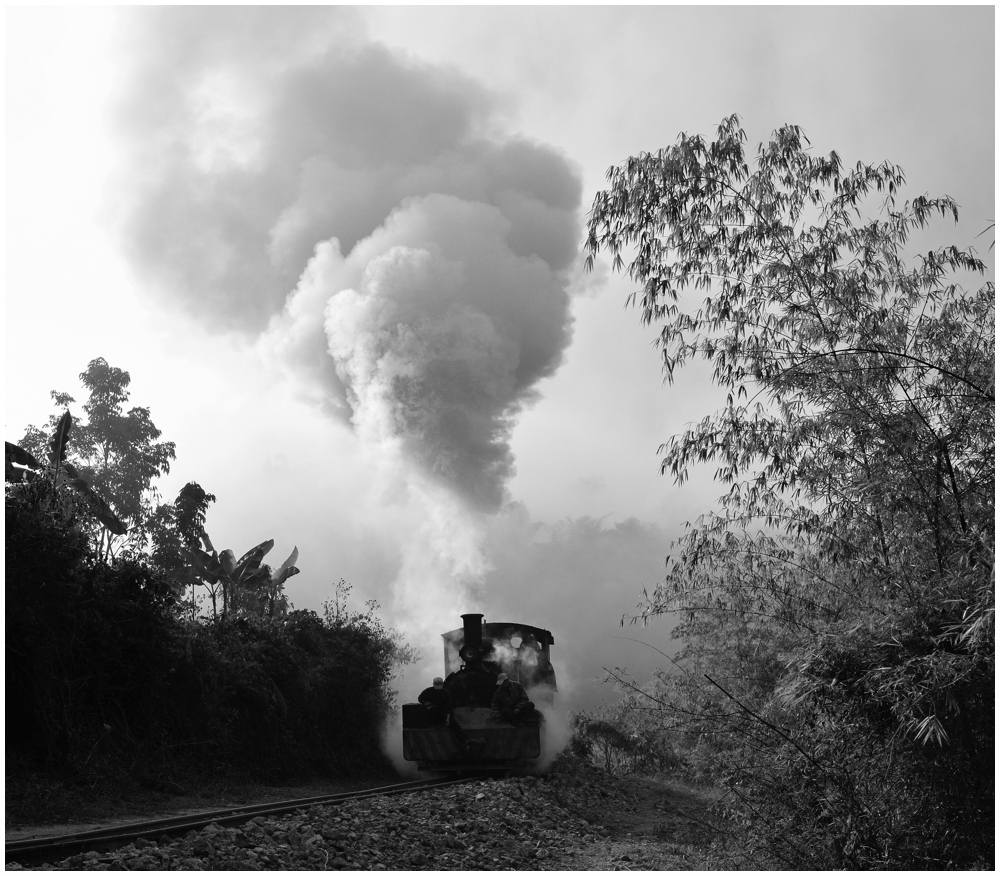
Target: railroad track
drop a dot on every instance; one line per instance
(54, 848)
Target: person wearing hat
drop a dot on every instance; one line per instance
(437, 701)
(510, 701)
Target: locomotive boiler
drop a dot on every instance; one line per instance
(474, 656)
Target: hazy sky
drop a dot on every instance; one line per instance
(338, 252)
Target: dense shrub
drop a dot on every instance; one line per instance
(625, 738)
(104, 673)
(88, 644)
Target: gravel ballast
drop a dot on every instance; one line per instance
(526, 823)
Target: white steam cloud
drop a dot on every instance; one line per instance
(362, 216)
(437, 331)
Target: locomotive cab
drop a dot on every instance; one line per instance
(473, 657)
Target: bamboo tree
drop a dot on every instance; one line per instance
(854, 543)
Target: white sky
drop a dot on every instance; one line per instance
(913, 85)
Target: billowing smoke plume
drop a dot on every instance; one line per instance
(438, 331)
(361, 214)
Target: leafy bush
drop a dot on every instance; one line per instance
(625, 738)
(106, 673)
(88, 643)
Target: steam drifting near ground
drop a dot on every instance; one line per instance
(557, 730)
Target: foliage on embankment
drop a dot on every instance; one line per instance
(111, 672)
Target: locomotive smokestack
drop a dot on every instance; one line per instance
(472, 626)
(472, 648)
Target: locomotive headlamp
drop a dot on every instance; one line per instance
(468, 653)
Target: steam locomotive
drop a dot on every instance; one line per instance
(473, 658)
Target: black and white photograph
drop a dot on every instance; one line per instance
(504, 437)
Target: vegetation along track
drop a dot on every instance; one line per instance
(40, 850)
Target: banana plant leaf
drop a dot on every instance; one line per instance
(64, 473)
(12, 475)
(284, 576)
(206, 566)
(60, 438)
(250, 562)
(190, 574)
(102, 510)
(228, 561)
(255, 580)
(286, 569)
(15, 454)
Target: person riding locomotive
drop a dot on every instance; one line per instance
(510, 702)
(437, 701)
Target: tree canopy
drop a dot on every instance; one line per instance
(116, 451)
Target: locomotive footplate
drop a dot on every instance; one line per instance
(474, 738)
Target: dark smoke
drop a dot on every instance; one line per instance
(358, 211)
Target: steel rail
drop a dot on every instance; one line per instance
(37, 850)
